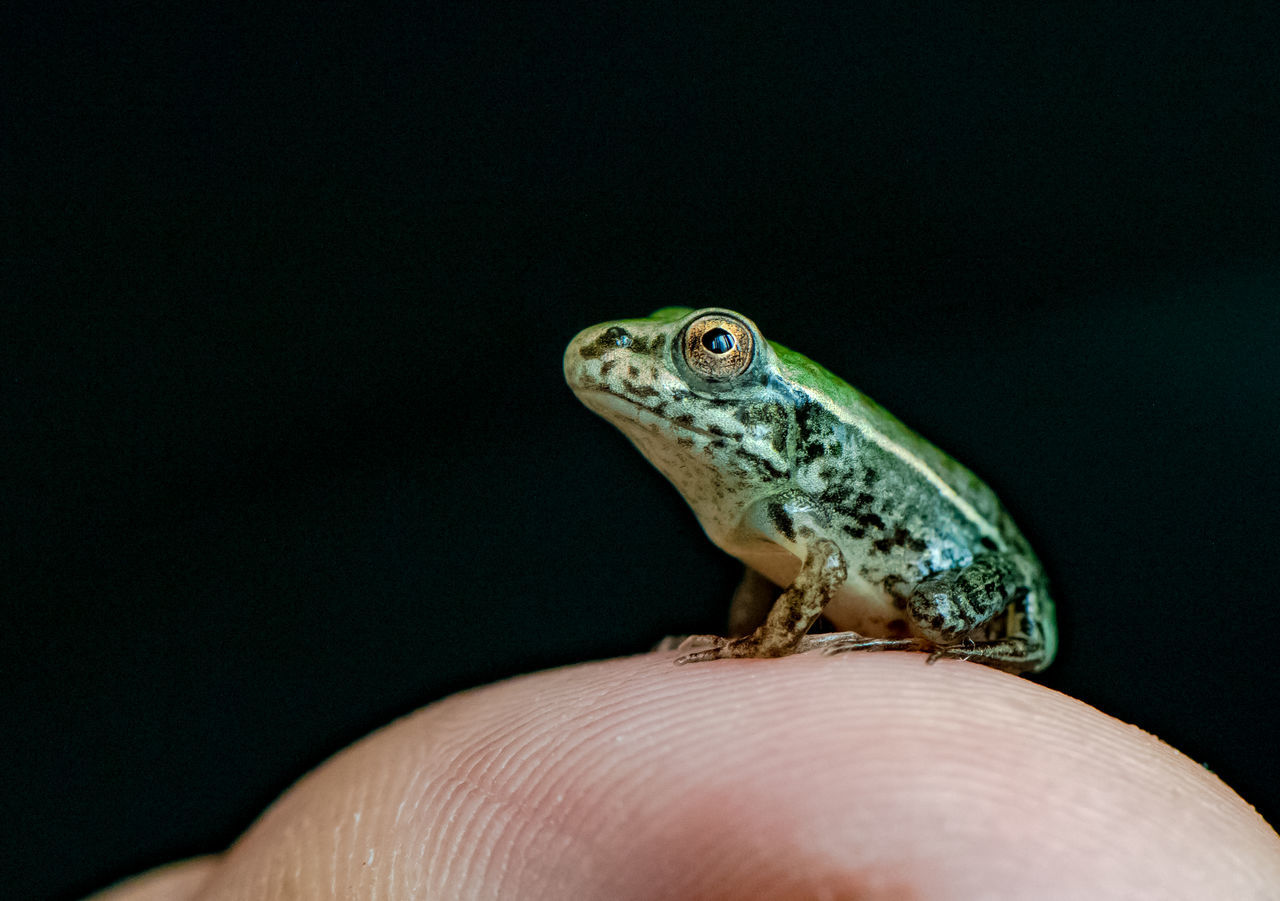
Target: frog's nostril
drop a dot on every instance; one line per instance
(615, 336)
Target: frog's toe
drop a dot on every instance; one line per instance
(687, 643)
(699, 656)
(714, 652)
(839, 642)
(699, 647)
(1014, 655)
(715, 647)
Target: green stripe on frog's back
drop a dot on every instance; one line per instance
(970, 496)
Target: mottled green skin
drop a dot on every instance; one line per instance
(821, 491)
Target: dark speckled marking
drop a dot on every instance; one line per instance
(633, 371)
(855, 509)
(635, 390)
(898, 589)
(1020, 596)
(782, 521)
(773, 416)
(763, 466)
(870, 521)
(900, 538)
(903, 538)
(680, 394)
(814, 424)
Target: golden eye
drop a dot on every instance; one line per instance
(718, 347)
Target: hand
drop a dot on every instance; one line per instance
(867, 775)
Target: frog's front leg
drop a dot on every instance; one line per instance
(793, 613)
(980, 611)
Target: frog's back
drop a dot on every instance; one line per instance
(876, 424)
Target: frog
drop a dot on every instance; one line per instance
(841, 514)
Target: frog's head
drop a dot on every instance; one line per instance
(697, 391)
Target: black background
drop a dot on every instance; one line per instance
(285, 296)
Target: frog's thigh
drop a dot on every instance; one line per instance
(948, 605)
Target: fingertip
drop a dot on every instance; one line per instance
(181, 881)
(868, 775)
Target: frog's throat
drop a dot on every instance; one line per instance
(619, 409)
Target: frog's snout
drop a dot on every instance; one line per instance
(589, 351)
(574, 363)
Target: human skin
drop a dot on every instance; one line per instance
(860, 775)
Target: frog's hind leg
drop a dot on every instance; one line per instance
(979, 612)
(948, 605)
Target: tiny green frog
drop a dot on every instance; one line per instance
(837, 509)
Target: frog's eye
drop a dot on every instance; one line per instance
(718, 347)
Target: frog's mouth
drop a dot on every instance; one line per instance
(620, 407)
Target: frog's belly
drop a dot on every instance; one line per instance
(858, 606)
(867, 610)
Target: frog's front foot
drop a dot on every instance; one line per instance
(687, 643)
(717, 647)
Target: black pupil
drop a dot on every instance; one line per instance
(718, 341)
